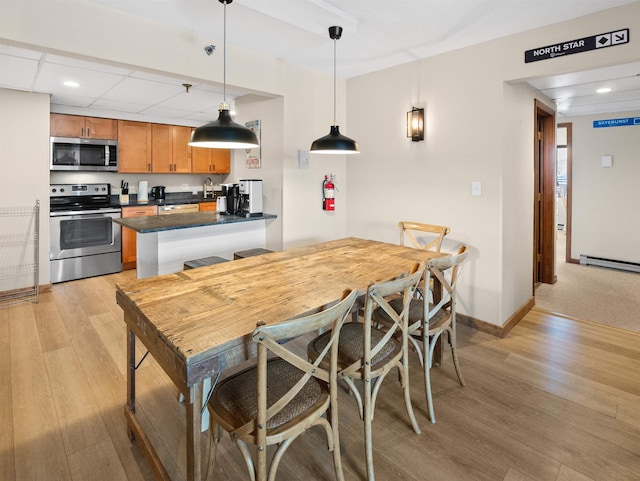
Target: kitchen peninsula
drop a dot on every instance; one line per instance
(166, 242)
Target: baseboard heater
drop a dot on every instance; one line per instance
(610, 263)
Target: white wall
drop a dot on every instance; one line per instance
(479, 119)
(24, 169)
(605, 222)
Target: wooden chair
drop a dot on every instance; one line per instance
(413, 234)
(422, 236)
(427, 321)
(280, 398)
(369, 354)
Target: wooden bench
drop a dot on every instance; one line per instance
(205, 261)
(250, 253)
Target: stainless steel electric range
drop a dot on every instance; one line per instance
(85, 242)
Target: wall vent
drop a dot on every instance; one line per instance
(610, 263)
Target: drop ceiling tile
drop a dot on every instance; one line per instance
(72, 100)
(194, 101)
(17, 72)
(202, 117)
(118, 106)
(92, 84)
(143, 91)
(166, 112)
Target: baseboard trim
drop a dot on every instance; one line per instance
(493, 329)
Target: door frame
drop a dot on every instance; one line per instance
(569, 209)
(544, 241)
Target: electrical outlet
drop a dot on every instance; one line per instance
(185, 187)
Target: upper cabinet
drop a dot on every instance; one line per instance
(62, 125)
(134, 146)
(170, 151)
(164, 149)
(210, 161)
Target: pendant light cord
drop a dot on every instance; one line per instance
(224, 57)
(334, 81)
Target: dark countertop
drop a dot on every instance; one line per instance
(170, 199)
(157, 223)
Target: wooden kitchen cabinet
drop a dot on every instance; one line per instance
(129, 236)
(207, 206)
(63, 125)
(171, 152)
(134, 146)
(210, 161)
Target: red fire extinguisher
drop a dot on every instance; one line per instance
(328, 193)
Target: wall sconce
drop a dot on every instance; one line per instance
(415, 124)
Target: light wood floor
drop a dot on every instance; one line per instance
(557, 400)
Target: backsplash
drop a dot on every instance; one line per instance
(174, 183)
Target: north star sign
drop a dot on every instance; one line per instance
(585, 44)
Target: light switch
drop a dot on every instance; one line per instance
(476, 188)
(607, 160)
(303, 159)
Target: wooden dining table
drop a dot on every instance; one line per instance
(197, 322)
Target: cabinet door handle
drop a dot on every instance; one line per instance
(88, 132)
(148, 167)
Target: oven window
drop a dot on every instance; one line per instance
(90, 232)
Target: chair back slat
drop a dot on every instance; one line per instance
(410, 235)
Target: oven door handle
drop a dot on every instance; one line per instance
(68, 213)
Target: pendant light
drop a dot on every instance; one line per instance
(224, 133)
(335, 142)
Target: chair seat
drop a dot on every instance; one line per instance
(235, 398)
(250, 253)
(351, 345)
(204, 261)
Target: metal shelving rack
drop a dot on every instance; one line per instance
(19, 254)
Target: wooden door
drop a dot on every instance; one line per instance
(544, 196)
(181, 151)
(97, 128)
(207, 206)
(161, 148)
(134, 147)
(200, 160)
(61, 125)
(129, 236)
(220, 161)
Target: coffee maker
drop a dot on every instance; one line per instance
(232, 194)
(250, 197)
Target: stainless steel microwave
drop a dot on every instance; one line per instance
(84, 154)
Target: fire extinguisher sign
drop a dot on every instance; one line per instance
(328, 193)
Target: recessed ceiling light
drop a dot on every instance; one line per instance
(71, 83)
(604, 90)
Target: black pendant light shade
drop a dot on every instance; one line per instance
(223, 133)
(334, 142)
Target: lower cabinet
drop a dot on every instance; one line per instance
(129, 236)
(207, 206)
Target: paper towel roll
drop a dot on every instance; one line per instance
(143, 191)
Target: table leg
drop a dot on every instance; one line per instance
(193, 404)
(131, 378)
